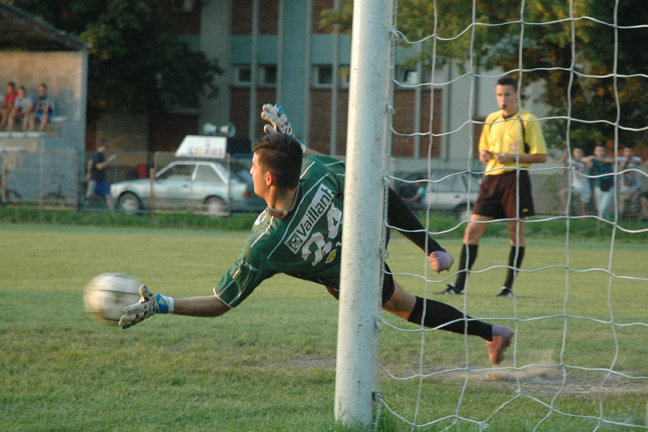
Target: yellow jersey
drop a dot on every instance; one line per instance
(519, 134)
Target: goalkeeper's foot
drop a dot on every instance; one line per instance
(451, 290)
(502, 337)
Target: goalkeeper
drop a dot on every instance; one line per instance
(300, 234)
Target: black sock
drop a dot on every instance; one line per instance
(402, 218)
(508, 283)
(437, 313)
(472, 256)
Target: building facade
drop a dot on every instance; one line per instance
(275, 51)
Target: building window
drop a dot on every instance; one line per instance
(323, 76)
(268, 75)
(410, 76)
(242, 75)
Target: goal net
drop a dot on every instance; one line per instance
(579, 358)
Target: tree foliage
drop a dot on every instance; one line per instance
(580, 34)
(136, 62)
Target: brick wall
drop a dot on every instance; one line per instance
(320, 122)
(242, 17)
(403, 122)
(186, 23)
(167, 131)
(240, 109)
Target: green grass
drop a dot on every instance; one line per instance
(578, 229)
(269, 364)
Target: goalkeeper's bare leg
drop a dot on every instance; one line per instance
(445, 317)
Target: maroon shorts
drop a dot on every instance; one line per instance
(498, 196)
(388, 287)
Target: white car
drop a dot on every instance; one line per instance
(445, 190)
(194, 185)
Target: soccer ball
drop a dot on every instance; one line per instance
(108, 294)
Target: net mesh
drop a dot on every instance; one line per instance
(578, 359)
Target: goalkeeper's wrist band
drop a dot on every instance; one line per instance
(165, 304)
(303, 146)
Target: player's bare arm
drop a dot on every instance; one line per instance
(205, 306)
(523, 158)
(485, 156)
(151, 304)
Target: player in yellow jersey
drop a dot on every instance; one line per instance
(510, 142)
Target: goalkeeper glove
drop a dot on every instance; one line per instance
(275, 115)
(149, 305)
(440, 261)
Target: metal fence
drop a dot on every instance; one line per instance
(215, 187)
(48, 178)
(141, 182)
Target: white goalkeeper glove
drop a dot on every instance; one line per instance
(440, 261)
(149, 305)
(275, 115)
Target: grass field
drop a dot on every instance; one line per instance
(270, 364)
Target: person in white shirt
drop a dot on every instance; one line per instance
(579, 182)
(21, 109)
(43, 109)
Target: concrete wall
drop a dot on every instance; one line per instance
(125, 132)
(65, 74)
(215, 31)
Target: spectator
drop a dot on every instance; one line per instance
(644, 206)
(43, 111)
(604, 185)
(8, 104)
(21, 109)
(580, 183)
(630, 193)
(98, 166)
(417, 201)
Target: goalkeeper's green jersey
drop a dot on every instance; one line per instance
(306, 244)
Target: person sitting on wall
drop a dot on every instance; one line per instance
(21, 109)
(43, 110)
(8, 104)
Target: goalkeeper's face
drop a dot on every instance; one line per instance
(259, 177)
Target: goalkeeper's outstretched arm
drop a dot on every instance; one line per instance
(151, 304)
(205, 306)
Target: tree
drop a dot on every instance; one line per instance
(136, 64)
(547, 55)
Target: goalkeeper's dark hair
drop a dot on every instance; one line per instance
(508, 81)
(282, 155)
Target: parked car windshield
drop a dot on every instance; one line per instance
(177, 173)
(204, 173)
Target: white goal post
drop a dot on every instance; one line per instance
(368, 134)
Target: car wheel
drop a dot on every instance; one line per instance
(129, 203)
(215, 207)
